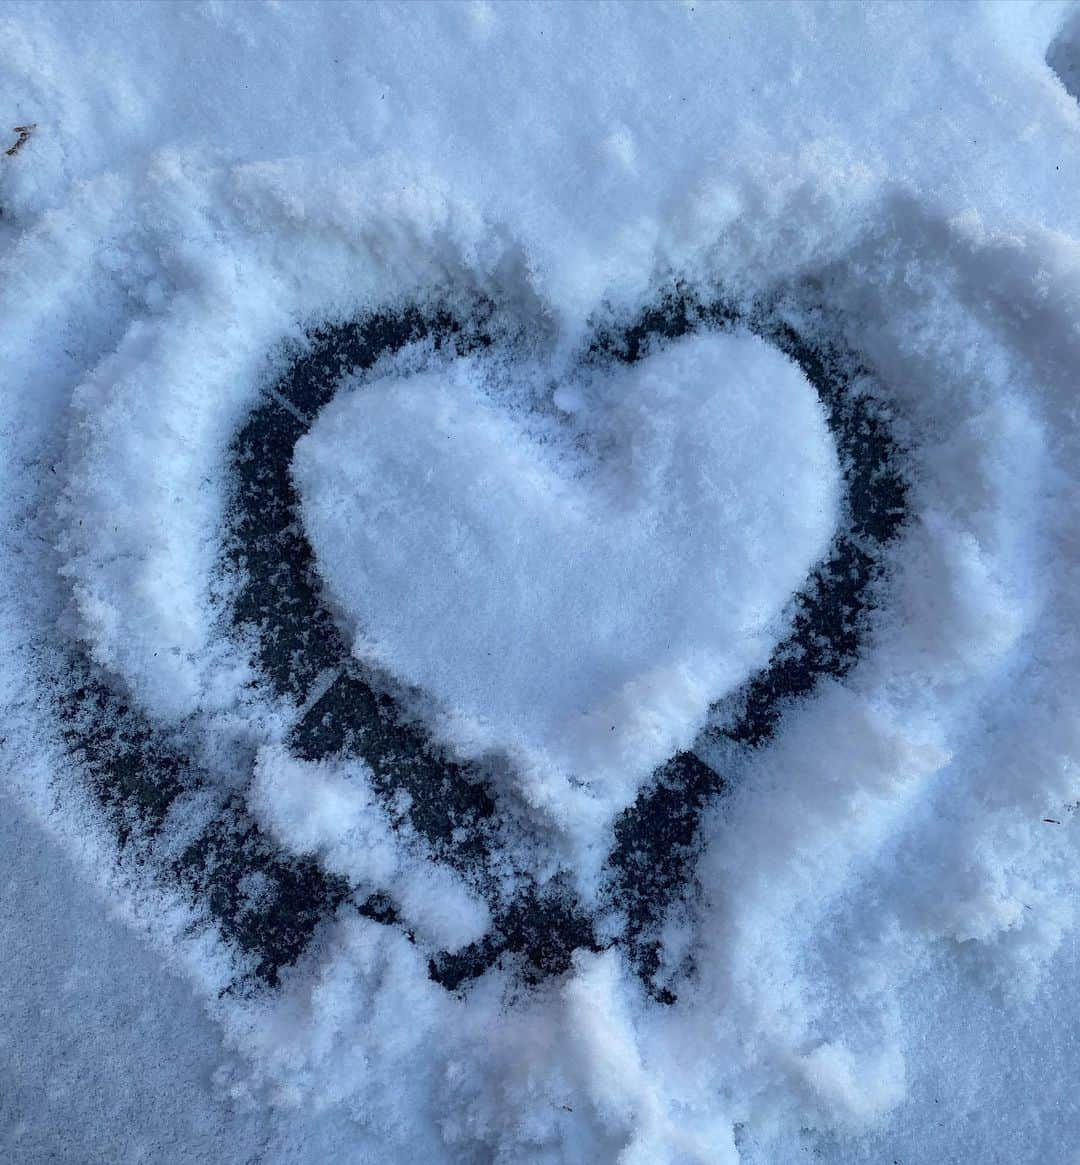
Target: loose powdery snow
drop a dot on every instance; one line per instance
(204, 183)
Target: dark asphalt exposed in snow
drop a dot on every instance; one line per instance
(141, 773)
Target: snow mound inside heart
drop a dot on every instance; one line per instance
(573, 592)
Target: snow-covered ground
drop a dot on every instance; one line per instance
(538, 609)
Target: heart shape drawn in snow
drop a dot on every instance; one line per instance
(578, 611)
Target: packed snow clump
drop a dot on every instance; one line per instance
(581, 617)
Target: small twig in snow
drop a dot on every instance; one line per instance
(24, 132)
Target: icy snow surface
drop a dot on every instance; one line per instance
(538, 582)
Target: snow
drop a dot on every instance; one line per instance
(331, 811)
(579, 618)
(875, 953)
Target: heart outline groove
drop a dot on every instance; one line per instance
(138, 769)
